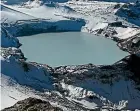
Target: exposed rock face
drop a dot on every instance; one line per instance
(103, 73)
(32, 104)
(134, 65)
(12, 51)
(131, 45)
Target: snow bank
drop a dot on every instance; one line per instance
(22, 72)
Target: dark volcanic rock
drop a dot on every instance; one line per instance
(134, 66)
(32, 104)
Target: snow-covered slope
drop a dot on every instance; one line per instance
(26, 74)
(131, 12)
(20, 80)
(10, 15)
(7, 40)
(11, 92)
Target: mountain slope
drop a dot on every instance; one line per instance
(19, 80)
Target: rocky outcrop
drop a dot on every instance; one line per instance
(131, 45)
(32, 104)
(134, 65)
(107, 74)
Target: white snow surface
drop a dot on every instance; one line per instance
(11, 93)
(126, 32)
(16, 84)
(35, 77)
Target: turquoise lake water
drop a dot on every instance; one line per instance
(70, 48)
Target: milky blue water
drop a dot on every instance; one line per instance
(70, 48)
